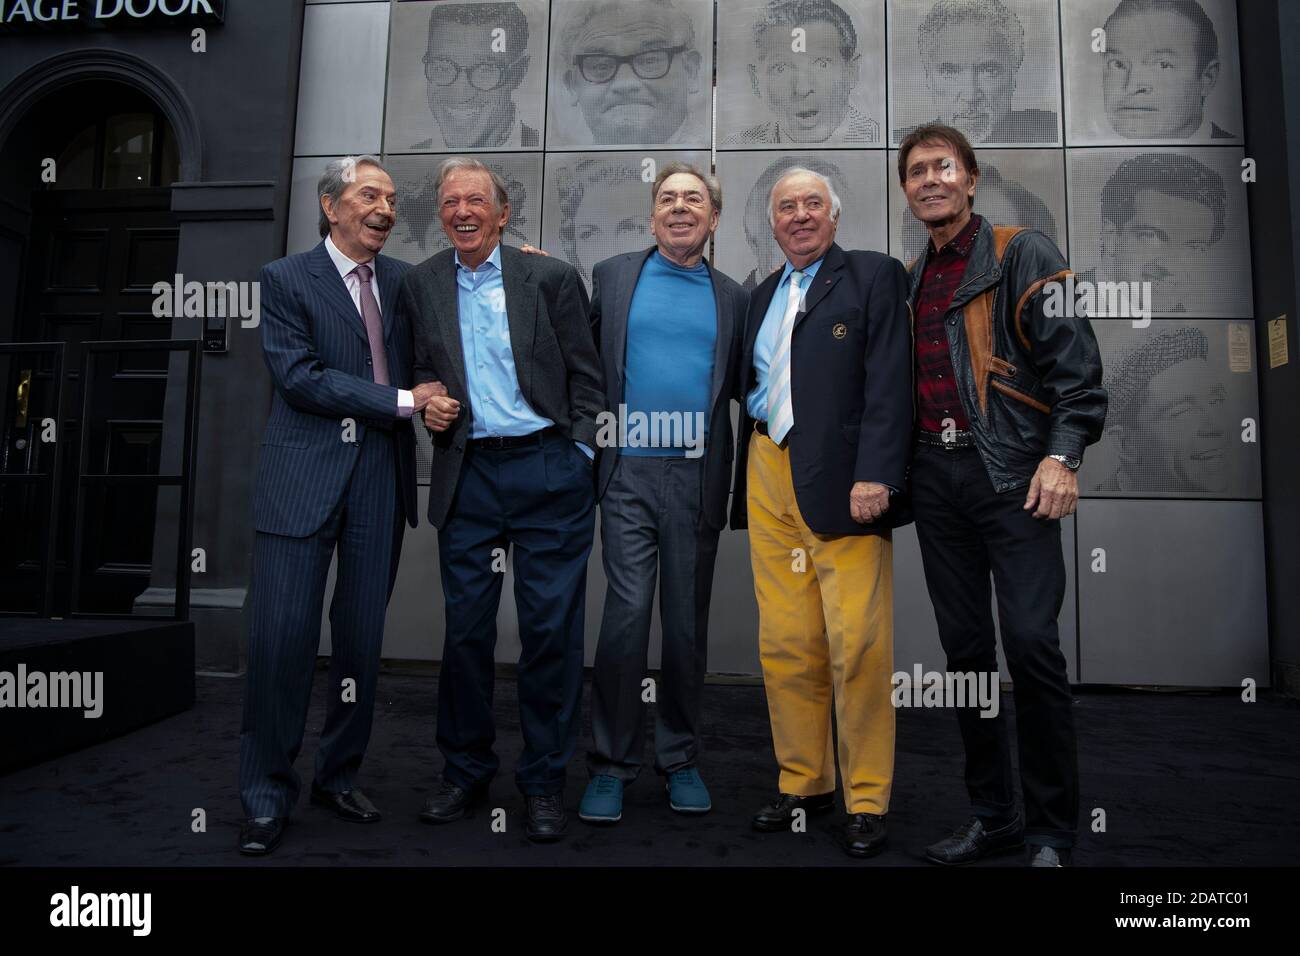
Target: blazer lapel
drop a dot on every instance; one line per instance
(723, 344)
(521, 313)
(622, 303)
(446, 303)
(331, 285)
(822, 282)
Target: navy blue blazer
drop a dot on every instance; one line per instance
(851, 381)
(315, 345)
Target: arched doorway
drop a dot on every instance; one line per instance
(92, 164)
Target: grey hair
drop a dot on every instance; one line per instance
(711, 183)
(453, 163)
(338, 173)
(804, 171)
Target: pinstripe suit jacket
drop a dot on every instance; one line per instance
(315, 345)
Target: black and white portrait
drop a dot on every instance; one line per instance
(1174, 222)
(745, 249)
(1179, 394)
(631, 73)
(1158, 71)
(795, 73)
(990, 68)
(1016, 187)
(598, 204)
(466, 75)
(418, 232)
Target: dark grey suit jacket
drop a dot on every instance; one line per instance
(613, 282)
(550, 339)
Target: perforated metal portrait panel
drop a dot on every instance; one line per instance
(991, 68)
(598, 204)
(1183, 415)
(1172, 221)
(800, 73)
(466, 75)
(630, 74)
(1151, 71)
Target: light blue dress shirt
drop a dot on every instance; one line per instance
(499, 407)
(765, 343)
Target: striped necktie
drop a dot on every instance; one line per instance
(780, 407)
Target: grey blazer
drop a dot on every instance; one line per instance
(550, 338)
(612, 283)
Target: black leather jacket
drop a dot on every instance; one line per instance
(1030, 384)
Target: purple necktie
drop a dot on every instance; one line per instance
(374, 324)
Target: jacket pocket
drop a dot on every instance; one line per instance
(1019, 396)
(1000, 366)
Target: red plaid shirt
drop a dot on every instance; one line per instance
(936, 387)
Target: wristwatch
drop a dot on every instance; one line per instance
(1071, 463)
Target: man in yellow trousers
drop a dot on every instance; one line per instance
(822, 462)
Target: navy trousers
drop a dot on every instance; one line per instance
(652, 528)
(539, 502)
(967, 530)
(288, 589)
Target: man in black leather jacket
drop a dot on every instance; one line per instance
(1009, 394)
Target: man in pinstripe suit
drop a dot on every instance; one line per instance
(336, 472)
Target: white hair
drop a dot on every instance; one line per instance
(804, 171)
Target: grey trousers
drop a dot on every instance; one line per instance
(651, 524)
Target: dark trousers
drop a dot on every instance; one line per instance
(288, 588)
(966, 531)
(537, 500)
(652, 525)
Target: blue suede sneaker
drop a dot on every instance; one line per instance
(687, 793)
(603, 801)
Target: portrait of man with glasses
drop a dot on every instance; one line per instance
(632, 74)
(477, 57)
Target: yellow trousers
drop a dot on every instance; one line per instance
(825, 636)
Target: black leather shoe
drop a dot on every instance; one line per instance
(973, 842)
(863, 835)
(351, 805)
(1049, 856)
(547, 820)
(779, 815)
(260, 835)
(450, 802)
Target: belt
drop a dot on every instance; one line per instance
(947, 440)
(761, 428)
(502, 442)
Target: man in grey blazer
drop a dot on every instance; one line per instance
(671, 330)
(513, 442)
(336, 472)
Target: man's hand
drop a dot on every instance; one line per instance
(441, 412)
(533, 250)
(425, 391)
(868, 500)
(1054, 491)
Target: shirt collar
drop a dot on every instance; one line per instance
(808, 271)
(341, 261)
(495, 259)
(962, 243)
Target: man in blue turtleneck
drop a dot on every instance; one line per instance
(670, 330)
